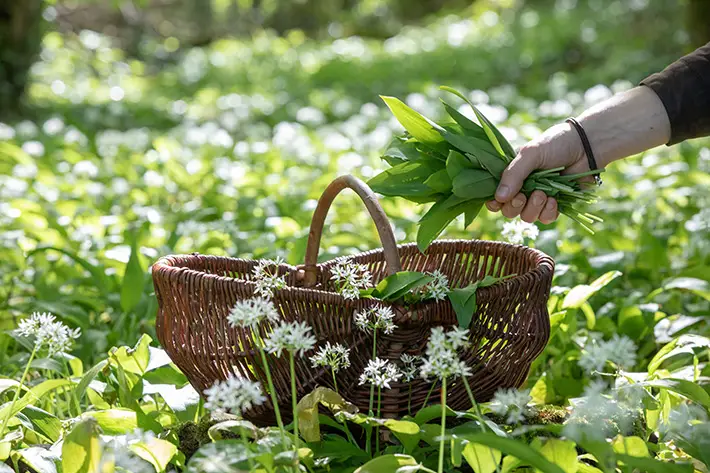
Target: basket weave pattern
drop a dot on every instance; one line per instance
(508, 331)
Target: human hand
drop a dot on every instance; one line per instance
(558, 146)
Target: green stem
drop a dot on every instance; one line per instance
(368, 435)
(72, 394)
(294, 402)
(335, 381)
(250, 460)
(428, 395)
(443, 425)
(377, 429)
(272, 393)
(17, 393)
(479, 415)
(409, 400)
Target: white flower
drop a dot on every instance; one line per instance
(48, 332)
(442, 359)
(116, 455)
(266, 280)
(251, 312)
(620, 350)
(597, 416)
(349, 278)
(336, 356)
(380, 373)
(234, 395)
(512, 404)
(375, 318)
(438, 288)
(410, 368)
(516, 231)
(294, 337)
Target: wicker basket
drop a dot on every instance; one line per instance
(509, 329)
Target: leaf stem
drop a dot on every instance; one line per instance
(443, 425)
(17, 393)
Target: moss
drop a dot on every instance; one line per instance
(194, 435)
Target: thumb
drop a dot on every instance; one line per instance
(528, 160)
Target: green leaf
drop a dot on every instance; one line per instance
(496, 137)
(418, 126)
(405, 180)
(562, 453)
(457, 162)
(685, 388)
(307, 408)
(515, 448)
(649, 465)
(88, 377)
(469, 127)
(475, 184)
(133, 360)
(580, 294)
(472, 211)
(429, 413)
(685, 344)
(634, 446)
(388, 464)
(439, 181)
(397, 285)
(44, 422)
(133, 279)
(694, 285)
(472, 145)
(406, 432)
(81, 450)
(481, 458)
(39, 459)
(439, 216)
(400, 152)
(34, 394)
(463, 301)
(117, 421)
(157, 452)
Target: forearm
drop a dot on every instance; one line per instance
(626, 124)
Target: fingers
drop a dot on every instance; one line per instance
(550, 212)
(528, 160)
(534, 207)
(513, 208)
(537, 207)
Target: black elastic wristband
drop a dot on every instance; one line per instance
(587, 148)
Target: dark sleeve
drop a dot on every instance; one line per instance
(684, 89)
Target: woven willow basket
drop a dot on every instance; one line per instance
(509, 328)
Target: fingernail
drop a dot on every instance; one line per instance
(503, 192)
(537, 200)
(517, 202)
(550, 205)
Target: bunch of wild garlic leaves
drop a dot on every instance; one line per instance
(458, 165)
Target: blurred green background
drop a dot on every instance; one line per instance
(132, 130)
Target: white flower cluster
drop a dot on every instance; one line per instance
(267, 279)
(410, 367)
(437, 289)
(442, 359)
(598, 416)
(234, 395)
(512, 404)
(350, 278)
(375, 318)
(48, 332)
(293, 337)
(337, 357)
(116, 455)
(620, 350)
(380, 373)
(516, 231)
(251, 312)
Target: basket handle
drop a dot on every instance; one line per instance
(384, 229)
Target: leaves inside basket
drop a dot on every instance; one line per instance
(399, 284)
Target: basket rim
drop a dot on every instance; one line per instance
(543, 264)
